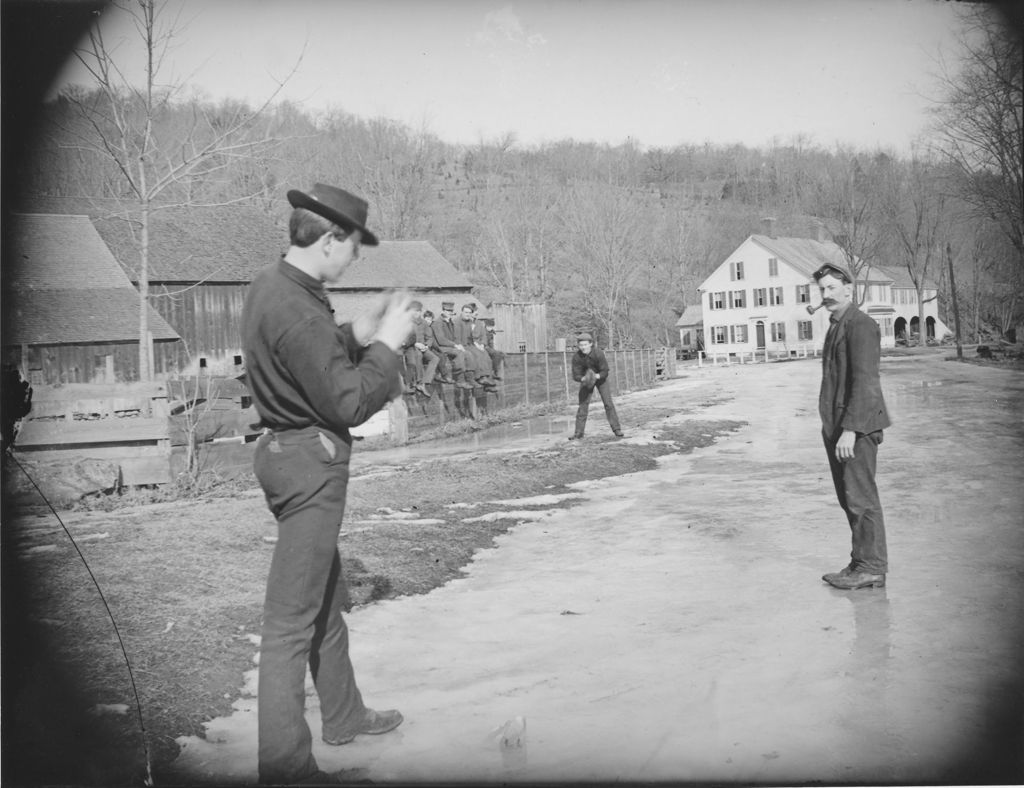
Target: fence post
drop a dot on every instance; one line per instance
(547, 379)
(526, 377)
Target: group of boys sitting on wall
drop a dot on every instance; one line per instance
(446, 350)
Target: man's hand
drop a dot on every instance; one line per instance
(395, 323)
(420, 346)
(365, 326)
(844, 446)
(460, 347)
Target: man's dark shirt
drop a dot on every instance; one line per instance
(594, 360)
(302, 370)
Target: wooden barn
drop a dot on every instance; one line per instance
(70, 314)
(201, 261)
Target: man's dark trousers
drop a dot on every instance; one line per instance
(304, 474)
(854, 480)
(609, 407)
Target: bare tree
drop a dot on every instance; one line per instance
(126, 123)
(604, 227)
(851, 204)
(980, 120)
(915, 205)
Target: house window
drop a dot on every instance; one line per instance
(803, 294)
(775, 296)
(760, 296)
(202, 363)
(717, 300)
(522, 347)
(736, 271)
(738, 335)
(886, 326)
(804, 330)
(778, 332)
(686, 339)
(718, 335)
(737, 299)
(773, 266)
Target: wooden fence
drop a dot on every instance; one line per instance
(531, 379)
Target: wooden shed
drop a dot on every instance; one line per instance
(520, 327)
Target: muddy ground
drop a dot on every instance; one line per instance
(184, 582)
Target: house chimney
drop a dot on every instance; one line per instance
(769, 226)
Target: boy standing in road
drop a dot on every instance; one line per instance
(590, 370)
(853, 415)
(312, 380)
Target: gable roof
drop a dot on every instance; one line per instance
(81, 316)
(693, 315)
(806, 255)
(65, 286)
(231, 243)
(397, 264)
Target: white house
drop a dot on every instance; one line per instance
(758, 299)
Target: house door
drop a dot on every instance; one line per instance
(760, 335)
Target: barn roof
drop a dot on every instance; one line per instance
(66, 287)
(396, 264)
(231, 243)
(79, 316)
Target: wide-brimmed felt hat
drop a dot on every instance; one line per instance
(337, 205)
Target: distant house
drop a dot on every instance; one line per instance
(71, 315)
(691, 328)
(201, 261)
(758, 298)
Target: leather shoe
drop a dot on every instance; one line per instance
(374, 724)
(855, 580)
(841, 573)
(422, 389)
(575, 437)
(618, 433)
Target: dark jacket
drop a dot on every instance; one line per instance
(444, 334)
(301, 369)
(851, 392)
(594, 360)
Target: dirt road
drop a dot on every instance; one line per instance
(718, 654)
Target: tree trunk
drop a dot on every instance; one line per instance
(956, 304)
(145, 373)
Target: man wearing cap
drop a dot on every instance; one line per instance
(312, 380)
(853, 416)
(446, 338)
(590, 370)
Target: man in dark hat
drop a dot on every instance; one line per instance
(590, 370)
(312, 380)
(853, 416)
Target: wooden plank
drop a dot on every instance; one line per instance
(216, 424)
(35, 433)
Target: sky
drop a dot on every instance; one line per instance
(657, 72)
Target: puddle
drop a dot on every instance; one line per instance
(499, 438)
